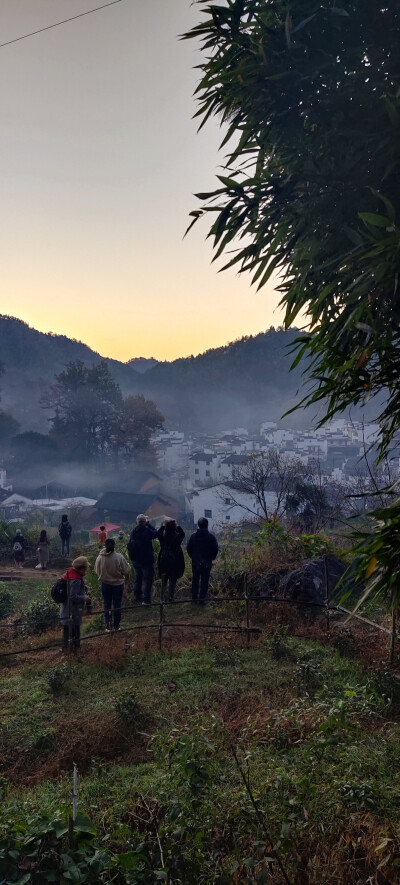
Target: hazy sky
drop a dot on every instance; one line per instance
(99, 160)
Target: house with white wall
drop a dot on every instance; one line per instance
(224, 505)
(203, 467)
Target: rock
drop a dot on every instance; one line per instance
(267, 584)
(307, 583)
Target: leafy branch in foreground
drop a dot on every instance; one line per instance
(310, 101)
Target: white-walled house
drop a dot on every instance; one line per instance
(224, 506)
(203, 467)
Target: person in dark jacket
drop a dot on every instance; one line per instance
(171, 562)
(18, 548)
(64, 530)
(202, 548)
(140, 550)
(78, 597)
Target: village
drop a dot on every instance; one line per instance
(200, 476)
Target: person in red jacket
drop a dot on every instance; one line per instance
(102, 536)
(78, 597)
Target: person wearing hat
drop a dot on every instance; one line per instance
(140, 550)
(18, 548)
(78, 597)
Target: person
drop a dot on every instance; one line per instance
(18, 548)
(171, 562)
(64, 530)
(140, 550)
(78, 597)
(102, 536)
(202, 548)
(43, 549)
(111, 567)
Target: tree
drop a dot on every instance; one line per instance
(309, 95)
(8, 427)
(91, 419)
(139, 419)
(267, 472)
(314, 500)
(87, 403)
(31, 448)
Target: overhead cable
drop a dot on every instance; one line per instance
(57, 24)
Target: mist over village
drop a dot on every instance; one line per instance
(110, 457)
(200, 442)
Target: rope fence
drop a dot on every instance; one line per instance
(162, 625)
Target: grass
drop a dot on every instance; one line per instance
(315, 728)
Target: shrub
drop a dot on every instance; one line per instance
(6, 603)
(58, 676)
(127, 707)
(40, 616)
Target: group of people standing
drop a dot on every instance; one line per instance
(43, 544)
(112, 568)
(202, 548)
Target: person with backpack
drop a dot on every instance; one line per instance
(43, 549)
(171, 562)
(18, 548)
(140, 551)
(65, 530)
(77, 598)
(202, 548)
(112, 568)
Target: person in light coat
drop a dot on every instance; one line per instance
(43, 549)
(112, 568)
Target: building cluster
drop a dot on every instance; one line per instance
(205, 468)
(197, 476)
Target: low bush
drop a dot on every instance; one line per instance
(6, 603)
(41, 615)
(128, 707)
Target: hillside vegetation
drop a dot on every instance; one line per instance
(241, 383)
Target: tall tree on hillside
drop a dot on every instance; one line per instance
(87, 404)
(91, 419)
(311, 101)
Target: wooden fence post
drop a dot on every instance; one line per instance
(69, 614)
(392, 635)
(160, 627)
(247, 609)
(73, 816)
(328, 621)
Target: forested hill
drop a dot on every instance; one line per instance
(45, 354)
(244, 382)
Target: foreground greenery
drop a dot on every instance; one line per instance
(210, 763)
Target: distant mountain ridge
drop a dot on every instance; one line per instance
(244, 382)
(142, 364)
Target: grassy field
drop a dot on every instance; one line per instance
(212, 761)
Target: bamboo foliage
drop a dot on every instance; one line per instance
(309, 98)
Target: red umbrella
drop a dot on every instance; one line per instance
(109, 527)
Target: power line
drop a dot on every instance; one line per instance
(57, 24)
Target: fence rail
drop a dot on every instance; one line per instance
(248, 630)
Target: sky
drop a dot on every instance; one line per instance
(99, 162)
